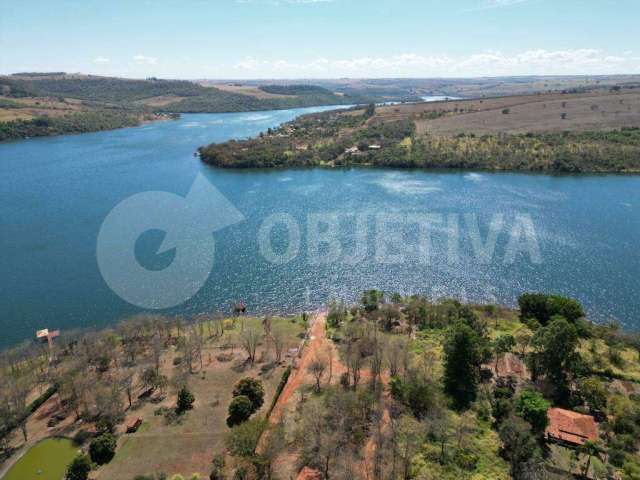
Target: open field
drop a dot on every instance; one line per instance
(189, 446)
(33, 107)
(243, 89)
(536, 114)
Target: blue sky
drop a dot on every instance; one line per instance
(320, 38)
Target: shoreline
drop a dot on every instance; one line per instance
(189, 319)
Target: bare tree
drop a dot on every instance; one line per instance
(126, 379)
(394, 356)
(107, 395)
(354, 364)
(438, 425)
(464, 426)
(266, 324)
(192, 345)
(17, 389)
(278, 338)
(218, 325)
(317, 369)
(250, 339)
(376, 365)
(157, 347)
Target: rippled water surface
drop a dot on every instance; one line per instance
(56, 192)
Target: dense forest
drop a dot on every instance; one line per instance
(354, 138)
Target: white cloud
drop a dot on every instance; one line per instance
(491, 4)
(285, 2)
(502, 3)
(490, 63)
(100, 60)
(144, 60)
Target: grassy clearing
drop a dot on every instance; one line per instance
(188, 446)
(624, 365)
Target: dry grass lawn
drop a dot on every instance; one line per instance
(536, 114)
(246, 90)
(188, 447)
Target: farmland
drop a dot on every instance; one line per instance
(554, 132)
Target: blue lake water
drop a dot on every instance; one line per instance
(56, 192)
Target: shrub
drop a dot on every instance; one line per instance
(252, 389)
(217, 472)
(281, 385)
(79, 468)
(243, 439)
(532, 406)
(185, 400)
(240, 409)
(82, 436)
(465, 460)
(103, 449)
(506, 111)
(616, 457)
(344, 380)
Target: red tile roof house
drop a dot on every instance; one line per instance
(570, 428)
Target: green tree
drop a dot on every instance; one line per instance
(518, 445)
(542, 307)
(79, 468)
(103, 449)
(185, 400)
(371, 300)
(532, 406)
(337, 314)
(371, 110)
(594, 393)
(240, 409)
(461, 364)
(243, 439)
(252, 389)
(555, 353)
(419, 395)
(590, 449)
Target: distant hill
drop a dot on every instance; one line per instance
(185, 96)
(37, 104)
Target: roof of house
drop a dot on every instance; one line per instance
(571, 427)
(309, 474)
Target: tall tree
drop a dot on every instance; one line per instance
(555, 353)
(461, 364)
(518, 445)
